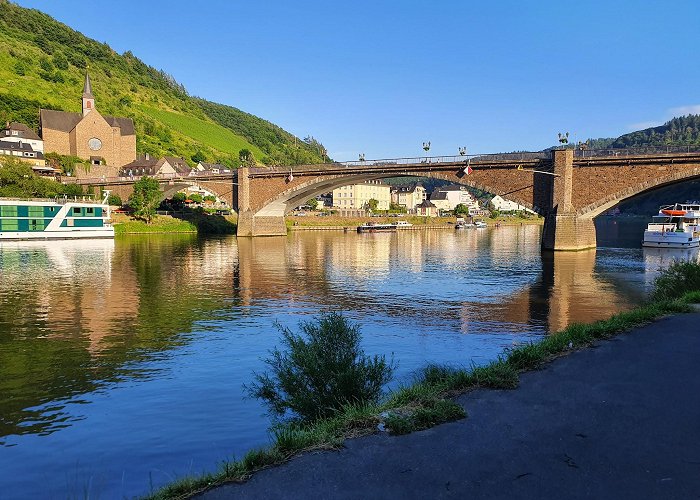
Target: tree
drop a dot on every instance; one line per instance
(320, 371)
(146, 198)
(114, 200)
(198, 156)
(461, 209)
(372, 204)
(312, 203)
(246, 157)
(196, 197)
(179, 198)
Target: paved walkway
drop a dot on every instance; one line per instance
(621, 420)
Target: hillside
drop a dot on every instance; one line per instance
(42, 65)
(679, 131)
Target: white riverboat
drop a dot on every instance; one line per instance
(57, 219)
(675, 226)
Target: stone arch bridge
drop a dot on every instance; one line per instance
(568, 188)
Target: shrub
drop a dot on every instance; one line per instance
(321, 371)
(677, 280)
(114, 200)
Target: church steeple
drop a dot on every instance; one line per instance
(88, 98)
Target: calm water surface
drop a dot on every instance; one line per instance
(122, 362)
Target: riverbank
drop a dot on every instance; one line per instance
(429, 401)
(195, 223)
(312, 221)
(615, 421)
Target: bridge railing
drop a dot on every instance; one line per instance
(430, 160)
(592, 153)
(134, 178)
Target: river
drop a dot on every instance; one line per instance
(122, 362)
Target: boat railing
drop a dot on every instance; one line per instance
(58, 199)
(661, 228)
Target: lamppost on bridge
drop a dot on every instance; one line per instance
(362, 157)
(426, 148)
(563, 139)
(462, 151)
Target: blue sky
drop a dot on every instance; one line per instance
(380, 77)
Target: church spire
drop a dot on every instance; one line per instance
(88, 98)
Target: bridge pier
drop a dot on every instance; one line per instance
(568, 232)
(564, 229)
(250, 224)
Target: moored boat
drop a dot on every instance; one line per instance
(675, 226)
(61, 218)
(480, 224)
(368, 227)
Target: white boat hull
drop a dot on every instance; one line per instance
(71, 234)
(670, 240)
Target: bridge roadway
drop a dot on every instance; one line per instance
(569, 188)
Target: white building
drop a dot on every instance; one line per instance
(503, 205)
(357, 196)
(23, 151)
(448, 197)
(409, 197)
(19, 132)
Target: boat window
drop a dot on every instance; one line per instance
(89, 210)
(76, 210)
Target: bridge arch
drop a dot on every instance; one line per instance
(286, 201)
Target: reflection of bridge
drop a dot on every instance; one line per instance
(568, 188)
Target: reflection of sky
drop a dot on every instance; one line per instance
(176, 404)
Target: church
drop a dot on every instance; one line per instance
(100, 138)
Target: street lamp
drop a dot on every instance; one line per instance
(426, 146)
(462, 151)
(563, 139)
(362, 157)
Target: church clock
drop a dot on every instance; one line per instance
(95, 144)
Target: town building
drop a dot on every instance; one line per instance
(408, 196)
(357, 196)
(446, 198)
(179, 164)
(22, 151)
(89, 135)
(503, 205)
(148, 166)
(211, 168)
(427, 208)
(19, 132)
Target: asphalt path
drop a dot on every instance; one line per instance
(619, 420)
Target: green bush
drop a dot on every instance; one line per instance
(321, 371)
(677, 280)
(114, 200)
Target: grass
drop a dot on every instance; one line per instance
(427, 401)
(161, 224)
(209, 134)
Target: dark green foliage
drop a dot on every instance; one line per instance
(66, 163)
(680, 131)
(14, 108)
(321, 371)
(461, 209)
(678, 279)
(17, 180)
(198, 156)
(114, 200)
(246, 158)
(145, 198)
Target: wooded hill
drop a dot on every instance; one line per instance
(679, 131)
(42, 65)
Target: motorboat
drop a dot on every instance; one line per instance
(675, 226)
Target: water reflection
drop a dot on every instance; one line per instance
(131, 345)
